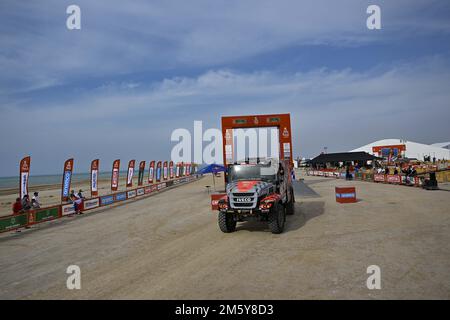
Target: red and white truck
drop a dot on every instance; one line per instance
(256, 188)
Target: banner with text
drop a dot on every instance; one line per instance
(158, 171)
(115, 175)
(141, 173)
(24, 175)
(94, 177)
(67, 178)
(130, 173)
(151, 172)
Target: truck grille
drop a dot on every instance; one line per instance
(243, 200)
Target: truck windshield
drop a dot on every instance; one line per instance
(252, 172)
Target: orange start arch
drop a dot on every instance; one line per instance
(280, 121)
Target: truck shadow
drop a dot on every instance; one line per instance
(304, 211)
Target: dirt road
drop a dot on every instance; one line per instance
(169, 247)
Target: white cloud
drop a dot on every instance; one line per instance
(341, 109)
(120, 38)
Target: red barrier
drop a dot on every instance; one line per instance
(345, 194)
(396, 179)
(215, 200)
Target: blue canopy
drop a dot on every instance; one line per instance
(212, 168)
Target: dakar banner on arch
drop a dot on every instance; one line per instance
(94, 177)
(24, 175)
(67, 179)
(130, 173)
(115, 175)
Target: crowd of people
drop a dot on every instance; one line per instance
(24, 204)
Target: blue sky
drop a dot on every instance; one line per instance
(137, 70)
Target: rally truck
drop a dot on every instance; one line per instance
(260, 190)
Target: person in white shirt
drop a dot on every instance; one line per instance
(36, 199)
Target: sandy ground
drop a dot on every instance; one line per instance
(169, 246)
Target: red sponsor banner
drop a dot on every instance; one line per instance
(187, 169)
(379, 177)
(393, 179)
(94, 177)
(151, 172)
(165, 170)
(141, 173)
(171, 170)
(177, 171)
(158, 171)
(66, 180)
(24, 175)
(182, 169)
(130, 173)
(115, 175)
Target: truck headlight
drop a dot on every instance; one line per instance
(223, 206)
(266, 205)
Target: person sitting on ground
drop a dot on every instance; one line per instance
(396, 171)
(17, 206)
(34, 204)
(36, 199)
(26, 205)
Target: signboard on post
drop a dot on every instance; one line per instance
(67, 178)
(94, 177)
(130, 173)
(24, 175)
(151, 172)
(115, 175)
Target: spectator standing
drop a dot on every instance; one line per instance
(80, 194)
(76, 203)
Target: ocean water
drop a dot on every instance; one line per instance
(13, 182)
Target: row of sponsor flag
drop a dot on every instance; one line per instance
(37, 216)
(158, 171)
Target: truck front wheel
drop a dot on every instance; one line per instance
(277, 219)
(227, 224)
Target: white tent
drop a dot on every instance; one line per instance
(413, 149)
